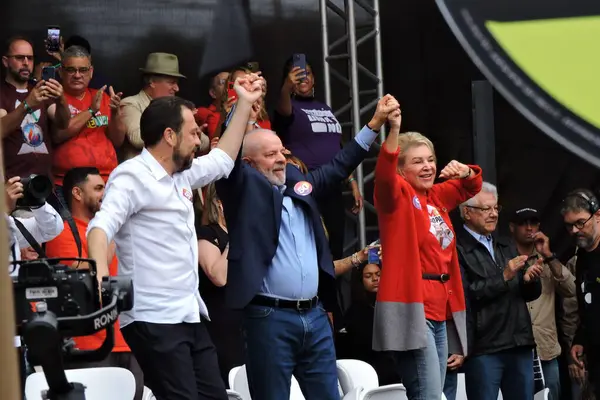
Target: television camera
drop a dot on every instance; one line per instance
(54, 301)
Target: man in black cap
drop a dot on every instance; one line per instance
(555, 278)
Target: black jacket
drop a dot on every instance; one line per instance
(497, 315)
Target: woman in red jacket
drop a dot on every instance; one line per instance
(421, 285)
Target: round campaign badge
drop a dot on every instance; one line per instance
(417, 203)
(32, 134)
(303, 188)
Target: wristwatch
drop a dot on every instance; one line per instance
(550, 259)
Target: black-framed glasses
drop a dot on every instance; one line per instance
(488, 210)
(73, 70)
(580, 224)
(20, 57)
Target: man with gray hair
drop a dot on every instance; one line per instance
(581, 216)
(95, 129)
(498, 283)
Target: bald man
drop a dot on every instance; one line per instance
(281, 269)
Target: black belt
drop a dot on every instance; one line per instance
(437, 277)
(280, 303)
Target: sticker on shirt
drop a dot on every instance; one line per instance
(33, 136)
(188, 195)
(323, 121)
(303, 188)
(416, 203)
(439, 228)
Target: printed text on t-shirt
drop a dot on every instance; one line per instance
(323, 121)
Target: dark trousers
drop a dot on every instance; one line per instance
(120, 360)
(179, 361)
(509, 370)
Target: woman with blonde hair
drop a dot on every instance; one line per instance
(421, 284)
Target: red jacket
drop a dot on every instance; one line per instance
(405, 300)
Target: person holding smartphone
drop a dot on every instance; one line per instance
(311, 132)
(26, 110)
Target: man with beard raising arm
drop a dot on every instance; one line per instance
(148, 210)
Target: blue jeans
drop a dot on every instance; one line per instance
(552, 378)
(509, 370)
(451, 385)
(284, 342)
(423, 371)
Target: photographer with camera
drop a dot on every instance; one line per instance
(44, 225)
(83, 189)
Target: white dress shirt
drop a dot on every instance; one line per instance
(150, 216)
(44, 225)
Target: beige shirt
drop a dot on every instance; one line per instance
(542, 311)
(132, 108)
(569, 318)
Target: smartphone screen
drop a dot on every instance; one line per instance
(373, 256)
(53, 39)
(48, 73)
(231, 91)
(299, 61)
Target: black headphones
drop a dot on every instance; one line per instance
(591, 200)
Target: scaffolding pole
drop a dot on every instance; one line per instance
(360, 30)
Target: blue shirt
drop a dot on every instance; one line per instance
(294, 270)
(487, 241)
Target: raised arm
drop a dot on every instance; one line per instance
(346, 161)
(116, 125)
(78, 122)
(284, 106)
(219, 162)
(58, 111)
(463, 182)
(9, 121)
(388, 184)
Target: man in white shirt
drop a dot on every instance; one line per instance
(148, 211)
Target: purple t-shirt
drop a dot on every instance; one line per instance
(311, 133)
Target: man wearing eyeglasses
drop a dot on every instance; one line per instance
(25, 110)
(95, 129)
(581, 216)
(498, 285)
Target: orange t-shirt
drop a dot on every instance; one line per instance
(64, 246)
(90, 147)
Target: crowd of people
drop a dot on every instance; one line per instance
(230, 221)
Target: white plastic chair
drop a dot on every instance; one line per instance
(354, 394)
(233, 395)
(100, 383)
(542, 395)
(355, 373)
(147, 394)
(388, 392)
(238, 381)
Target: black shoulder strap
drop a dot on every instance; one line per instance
(69, 218)
(30, 239)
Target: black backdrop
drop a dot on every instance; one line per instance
(424, 67)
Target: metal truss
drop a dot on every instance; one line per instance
(364, 85)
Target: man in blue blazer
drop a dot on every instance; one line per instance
(280, 268)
